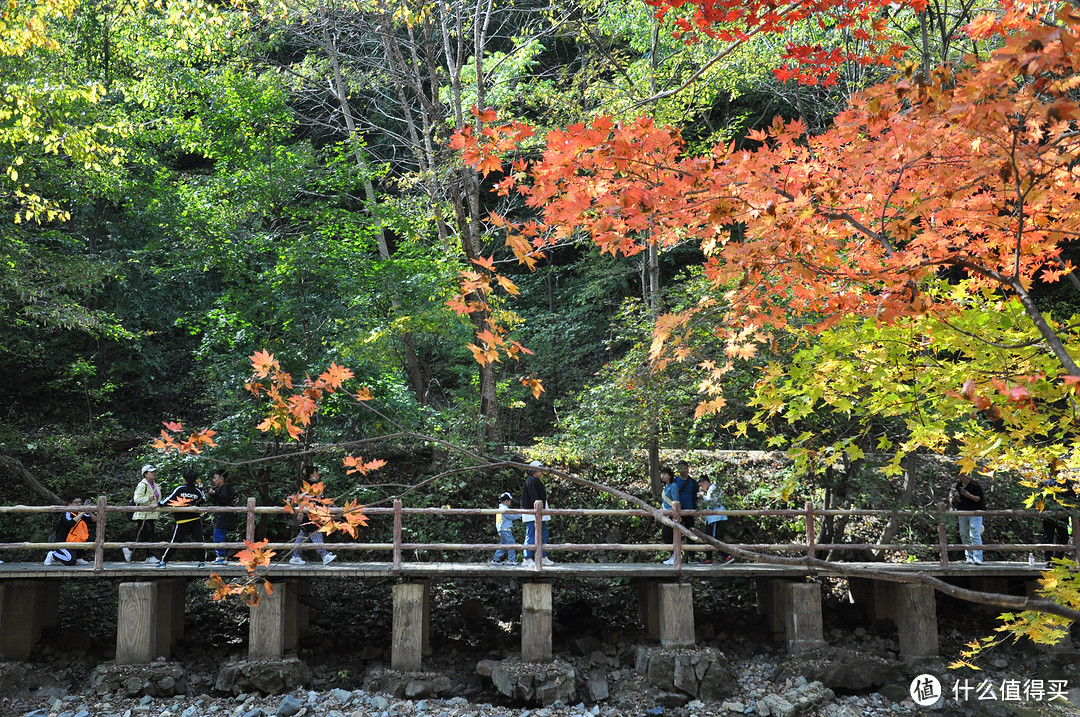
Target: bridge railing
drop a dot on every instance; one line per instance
(398, 546)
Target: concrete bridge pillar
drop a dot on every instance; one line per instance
(411, 629)
(274, 624)
(536, 622)
(676, 614)
(649, 607)
(772, 605)
(26, 606)
(803, 627)
(877, 598)
(916, 620)
(150, 618)
(793, 611)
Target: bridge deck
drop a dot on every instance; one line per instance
(314, 569)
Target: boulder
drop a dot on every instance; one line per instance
(697, 673)
(538, 684)
(268, 677)
(15, 679)
(596, 686)
(845, 670)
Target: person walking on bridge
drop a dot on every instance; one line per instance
(188, 522)
(147, 494)
(533, 491)
(309, 530)
(968, 495)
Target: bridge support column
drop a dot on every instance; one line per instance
(772, 604)
(877, 598)
(803, 627)
(144, 627)
(272, 622)
(169, 619)
(916, 620)
(26, 606)
(676, 603)
(649, 607)
(536, 622)
(412, 603)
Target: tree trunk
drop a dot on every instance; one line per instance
(15, 467)
(911, 470)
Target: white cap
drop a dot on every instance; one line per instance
(148, 469)
(535, 464)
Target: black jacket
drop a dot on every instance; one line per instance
(533, 491)
(194, 495)
(222, 497)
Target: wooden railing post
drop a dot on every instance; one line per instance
(249, 533)
(943, 540)
(811, 536)
(538, 549)
(99, 537)
(397, 535)
(676, 534)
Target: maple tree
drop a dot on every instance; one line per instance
(932, 205)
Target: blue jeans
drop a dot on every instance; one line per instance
(220, 534)
(971, 529)
(316, 537)
(506, 538)
(530, 538)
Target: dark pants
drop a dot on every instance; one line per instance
(144, 533)
(668, 533)
(1055, 531)
(187, 532)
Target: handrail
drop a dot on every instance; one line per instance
(398, 545)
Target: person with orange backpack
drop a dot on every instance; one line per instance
(70, 528)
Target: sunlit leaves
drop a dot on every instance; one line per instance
(193, 444)
(291, 409)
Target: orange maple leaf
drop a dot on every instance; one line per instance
(263, 362)
(336, 375)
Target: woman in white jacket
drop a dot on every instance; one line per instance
(147, 493)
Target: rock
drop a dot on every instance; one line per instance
(154, 679)
(596, 686)
(587, 645)
(843, 669)
(485, 667)
(342, 696)
(268, 677)
(15, 679)
(704, 673)
(670, 699)
(257, 712)
(775, 706)
(555, 681)
(415, 689)
(288, 706)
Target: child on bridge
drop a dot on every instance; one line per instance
(504, 526)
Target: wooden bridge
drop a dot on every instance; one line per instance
(150, 604)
